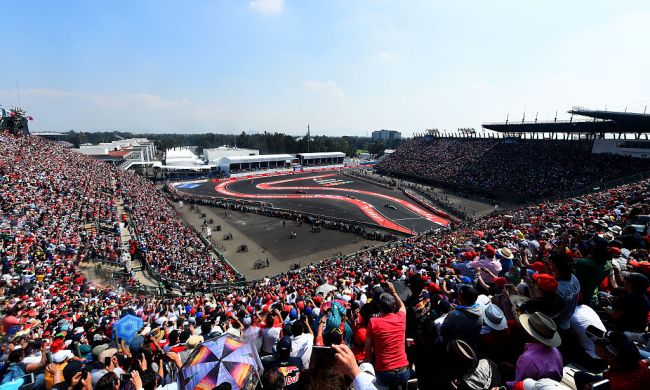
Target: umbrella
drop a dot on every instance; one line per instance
(127, 327)
(225, 359)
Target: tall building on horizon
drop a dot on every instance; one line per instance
(386, 135)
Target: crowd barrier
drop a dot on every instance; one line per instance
(419, 199)
(355, 175)
(392, 184)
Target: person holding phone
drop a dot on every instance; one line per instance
(18, 369)
(386, 340)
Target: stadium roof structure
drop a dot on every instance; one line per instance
(603, 122)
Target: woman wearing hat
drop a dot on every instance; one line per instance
(541, 358)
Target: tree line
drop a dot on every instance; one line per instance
(266, 143)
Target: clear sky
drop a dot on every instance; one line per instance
(346, 66)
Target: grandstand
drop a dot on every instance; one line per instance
(529, 161)
(501, 291)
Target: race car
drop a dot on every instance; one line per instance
(301, 192)
(390, 206)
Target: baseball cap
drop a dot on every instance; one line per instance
(541, 384)
(387, 302)
(546, 282)
(61, 355)
(538, 266)
(283, 345)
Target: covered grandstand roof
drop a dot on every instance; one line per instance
(601, 122)
(310, 156)
(617, 116)
(253, 159)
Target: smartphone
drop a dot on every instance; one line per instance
(125, 378)
(321, 357)
(28, 381)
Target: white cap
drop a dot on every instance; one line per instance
(61, 355)
(542, 384)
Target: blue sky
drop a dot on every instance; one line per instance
(347, 67)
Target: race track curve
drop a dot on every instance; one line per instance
(368, 209)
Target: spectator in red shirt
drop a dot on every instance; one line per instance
(386, 341)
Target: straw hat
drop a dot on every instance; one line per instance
(506, 253)
(541, 327)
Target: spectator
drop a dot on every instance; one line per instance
(386, 340)
(582, 320)
(541, 358)
(470, 372)
(568, 289)
(289, 366)
(302, 340)
(629, 311)
(626, 369)
(465, 321)
(591, 271)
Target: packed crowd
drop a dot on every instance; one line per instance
(165, 242)
(510, 300)
(521, 170)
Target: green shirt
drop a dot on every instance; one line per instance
(590, 274)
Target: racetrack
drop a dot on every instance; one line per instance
(329, 194)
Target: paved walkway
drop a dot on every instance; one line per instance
(125, 236)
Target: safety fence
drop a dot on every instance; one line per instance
(424, 201)
(430, 201)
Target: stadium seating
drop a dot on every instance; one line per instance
(523, 170)
(51, 197)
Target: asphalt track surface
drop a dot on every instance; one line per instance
(328, 194)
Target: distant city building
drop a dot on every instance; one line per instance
(214, 154)
(386, 135)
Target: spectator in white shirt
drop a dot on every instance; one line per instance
(302, 340)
